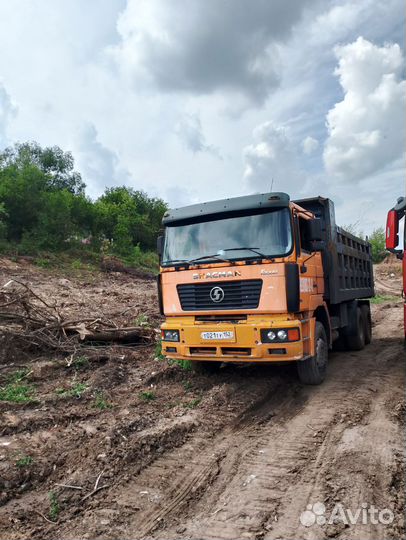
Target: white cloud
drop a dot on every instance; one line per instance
(366, 130)
(309, 145)
(200, 47)
(189, 131)
(166, 85)
(99, 165)
(271, 160)
(7, 111)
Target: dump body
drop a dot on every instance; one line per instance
(259, 279)
(347, 259)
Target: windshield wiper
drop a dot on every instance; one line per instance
(208, 257)
(253, 249)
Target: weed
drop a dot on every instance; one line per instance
(187, 385)
(18, 376)
(193, 404)
(54, 507)
(158, 351)
(380, 299)
(76, 390)
(80, 362)
(76, 264)
(184, 364)
(141, 320)
(147, 396)
(100, 402)
(43, 263)
(17, 393)
(24, 461)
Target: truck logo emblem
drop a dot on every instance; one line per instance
(217, 294)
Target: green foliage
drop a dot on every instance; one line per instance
(76, 390)
(17, 391)
(79, 362)
(381, 299)
(377, 240)
(193, 403)
(100, 402)
(187, 385)
(24, 461)
(54, 507)
(184, 364)
(141, 320)
(158, 351)
(147, 396)
(43, 206)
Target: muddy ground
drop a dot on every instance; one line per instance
(238, 454)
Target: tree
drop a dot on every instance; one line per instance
(377, 241)
(129, 218)
(53, 161)
(3, 221)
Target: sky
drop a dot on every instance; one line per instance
(196, 100)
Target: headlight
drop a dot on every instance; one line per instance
(279, 335)
(170, 335)
(282, 335)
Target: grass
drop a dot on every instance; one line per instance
(381, 298)
(24, 461)
(184, 364)
(101, 403)
(158, 351)
(16, 390)
(141, 320)
(193, 403)
(80, 362)
(187, 385)
(76, 390)
(148, 396)
(54, 507)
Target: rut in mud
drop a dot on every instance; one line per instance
(238, 454)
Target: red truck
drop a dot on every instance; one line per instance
(393, 244)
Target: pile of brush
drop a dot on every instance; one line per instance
(28, 321)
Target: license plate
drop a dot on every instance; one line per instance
(217, 335)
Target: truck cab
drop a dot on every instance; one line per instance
(257, 279)
(396, 245)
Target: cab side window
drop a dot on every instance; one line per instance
(304, 242)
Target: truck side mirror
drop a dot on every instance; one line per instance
(159, 245)
(392, 230)
(314, 233)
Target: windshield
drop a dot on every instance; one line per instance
(269, 234)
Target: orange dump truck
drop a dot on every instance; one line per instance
(262, 279)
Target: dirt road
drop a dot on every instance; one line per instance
(239, 454)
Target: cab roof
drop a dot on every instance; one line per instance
(225, 206)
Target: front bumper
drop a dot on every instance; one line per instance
(246, 346)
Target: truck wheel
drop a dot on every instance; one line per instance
(366, 313)
(201, 366)
(313, 369)
(356, 340)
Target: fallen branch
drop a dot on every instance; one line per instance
(28, 321)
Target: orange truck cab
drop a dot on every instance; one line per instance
(394, 245)
(262, 279)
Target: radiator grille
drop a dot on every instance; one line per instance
(244, 294)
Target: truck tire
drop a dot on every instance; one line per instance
(366, 313)
(313, 369)
(202, 366)
(356, 337)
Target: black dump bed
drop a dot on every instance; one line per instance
(347, 260)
